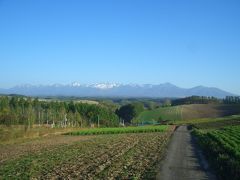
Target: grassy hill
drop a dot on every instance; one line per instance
(187, 112)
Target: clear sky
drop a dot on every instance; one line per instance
(187, 42)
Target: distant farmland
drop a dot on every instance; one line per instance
(187, 112)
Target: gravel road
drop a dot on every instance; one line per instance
(184, 161)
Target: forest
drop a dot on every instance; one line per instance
(28, 111)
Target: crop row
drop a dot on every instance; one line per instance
(222, 148)
(141, 129)
(123, 156)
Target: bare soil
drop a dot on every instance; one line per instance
(12, 151)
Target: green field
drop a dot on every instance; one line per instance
(222, 149)
(219, 139)
(187, 112)
(165, 113)
(211, 123)
(122, 130)
(216, 123)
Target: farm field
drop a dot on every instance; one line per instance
(188, 112)
(219, 139)
(9, 151)
(211, 123)
(215, 123)
(222, 149)
(119, 156)
(143, 129)
(166, 113)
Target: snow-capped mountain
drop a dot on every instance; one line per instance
(114, 90)
(75, 84)
(97, 85)
(105, 85)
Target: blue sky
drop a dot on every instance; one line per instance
(187, 43)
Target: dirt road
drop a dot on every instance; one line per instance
(183, 160)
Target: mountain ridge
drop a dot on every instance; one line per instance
(115, 90)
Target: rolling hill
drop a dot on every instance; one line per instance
(188, 112)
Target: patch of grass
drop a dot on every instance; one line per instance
(163, 113)
(212, 123)
(218, 123)
(14, 134)
(142, 129)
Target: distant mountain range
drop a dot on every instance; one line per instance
(114, 90)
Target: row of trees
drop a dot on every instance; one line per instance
(206, 100)
(29, 112)
(232, 100)
(196, 100)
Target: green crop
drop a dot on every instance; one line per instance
(222, 148)
(141, 129)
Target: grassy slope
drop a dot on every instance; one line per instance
(188, 112)
(167, 113)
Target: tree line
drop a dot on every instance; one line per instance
(196, 100)
(206, 100)
(232, 100)
(32, 111)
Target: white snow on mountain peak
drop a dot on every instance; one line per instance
(105, 85)
(102, 86)
(76, 84)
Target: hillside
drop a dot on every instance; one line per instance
(187, 112)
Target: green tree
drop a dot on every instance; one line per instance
(130, 111)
